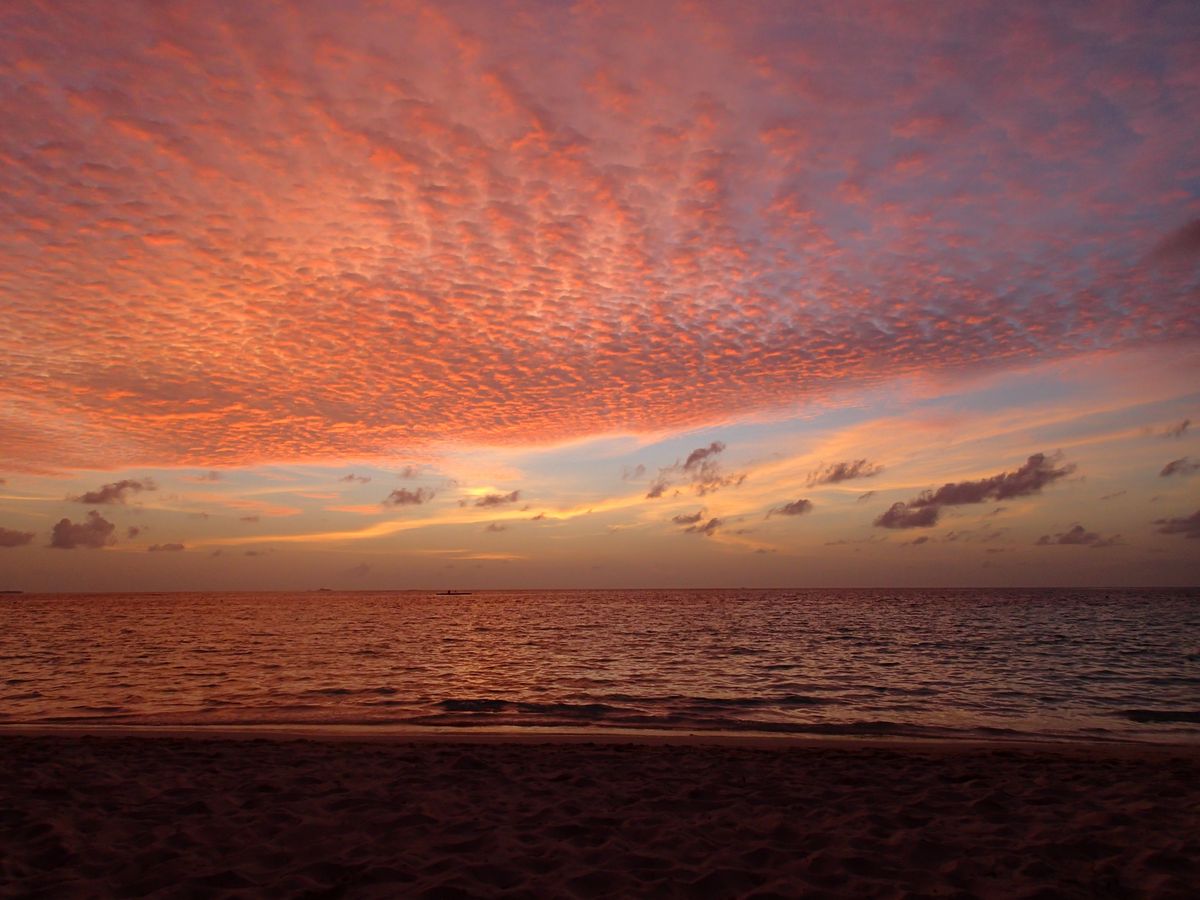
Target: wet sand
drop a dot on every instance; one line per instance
(185, 815)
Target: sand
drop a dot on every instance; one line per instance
(187, 816)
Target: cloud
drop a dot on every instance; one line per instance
(923, 511)
(11, 538)
(356, 479)
(165, 548)
(248, 518)
(900, 515)
(844, 471)
(917, 542)
(1079, 536)
(708, 529)
(863, 497)
(701, 471)
(1178, 430)
(116, 492)
(539, 235)
(699, 455)
(93, 533)
(498, 499)
(133, 531)
(405, 497)
(208, 476)
(688, 520)
(496, 527)
(633, 473)
(794, 508)
(409, 472)
(1189, 526)
(1183, 466)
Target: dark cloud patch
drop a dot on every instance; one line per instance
(843, 471)
(633, 473)
(539, 517)
(248, 519)
(688, 520)
(657, 488)
(708, 529)
(917, 542)
(1177, 430)
(165, 548)
(794, 508)
(498, 499)
(198, 515)
(12, 538)
(133, 531)
(1114, 495)
(409, 472)
(356, 479)
(405, 497)
(117, 492)
(92, 533)
(923, 511)
(1182, 466)
(1181, 245)
(496, 527)
(701, 470)
(1077, 536)
(900, 515)
(1188, 526)
(208, 476)
(699, 455)
(863, 497)
(710, 478)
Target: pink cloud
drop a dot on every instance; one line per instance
(454, 222)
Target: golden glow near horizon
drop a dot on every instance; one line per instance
(392, 295)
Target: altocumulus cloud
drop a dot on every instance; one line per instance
(1182, 466)
(165, 548)
(708, 529)
(116, 492)
(11, 538)
(701, 470)
(92, 533)
(923, 511)
(1077, 536)
(1188, 526)
(498, 499)
(844, 471)
(795, 508)
(405, 497)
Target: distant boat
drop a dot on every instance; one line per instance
(453, 593)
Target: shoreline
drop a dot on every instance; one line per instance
(534, 735)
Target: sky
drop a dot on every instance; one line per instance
(391, 295)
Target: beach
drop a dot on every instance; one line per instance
(192, 814)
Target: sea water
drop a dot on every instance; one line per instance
(1018, 664)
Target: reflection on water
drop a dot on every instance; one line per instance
(1061, 663)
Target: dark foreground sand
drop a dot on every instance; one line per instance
(183, 816)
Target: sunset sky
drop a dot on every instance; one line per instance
(598, 294)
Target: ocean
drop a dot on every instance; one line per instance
(1052, 664)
